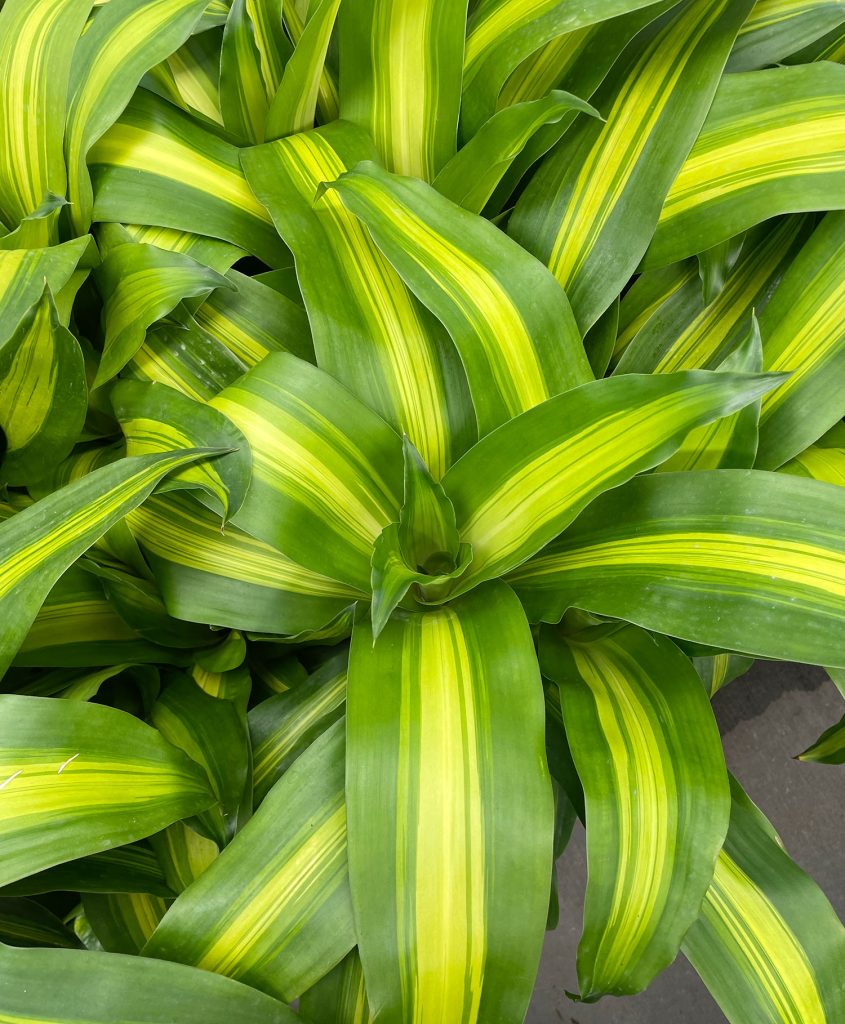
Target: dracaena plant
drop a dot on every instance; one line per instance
(413, 412)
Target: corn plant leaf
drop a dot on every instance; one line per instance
(43, 394)
(824, 460)
(284, 725)
(731, 442)
(187, 358)
(67, 986)
(576, 62)
(228, 577)
(156, 165)
(521, 485)
(24, 273)
(829, 748)
(774, 30)
(37, 39)
(123, 42)
(445, 734)
(243, 96)
(665, 324)
(155, 418)
(213, 734)
(647, 749)
(728, 558)
(27, 923)
(78, 627)
(38, 544)
(183, 854)
(767, 944)
(369, 331)
(273, 910)
(190, 77)
(273, 45)
(211, 252)
(255, 320)
(424, 548)
(293, 107)
(501, 33)
(472, 174)
(804, 335)
(122, 922)
(340, 997)
(296, 16)
(324, 466)
(509, 319)
(141, 284)
(590, 212)
(401, 78)
(80, 778)
(131, 868)
(773, 142)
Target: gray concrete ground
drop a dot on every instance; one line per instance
(767, 717)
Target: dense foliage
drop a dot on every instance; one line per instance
(412, 416)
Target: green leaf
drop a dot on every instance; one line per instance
(183, 854)
(27, 923)
(295, 103)
(773, 142)
(829, 748)
(501, 33)
(741, 560)
(273, 909)
(508, 318)
(423, 548)
(24, 273)
(718, 670)
(156, 418)
(326, 470)
(402, 78)
(213, 734)
(156, 165)
(122, 922)
(186, 358)
(471, 176)
(229, 578)
(78, 626)
(450, 878)
(767, 944)
(590, 212)
(775, 29)
(244, 100)
(125, 869)
(43, 394)
(665, 324)
(38, 544)
(731, 442)
(281, 727)
(521, 485)
(190, 77)
(141, 284)
(648, 752)
(79, 778)
(68, 986)
(824, 460)
(123, 42)
(340, 997)
(804, 335)
(37, 39)
(296, 17)
(255, 320)
(274, 47)
(369, 331)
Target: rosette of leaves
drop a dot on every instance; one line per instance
(413, 412)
